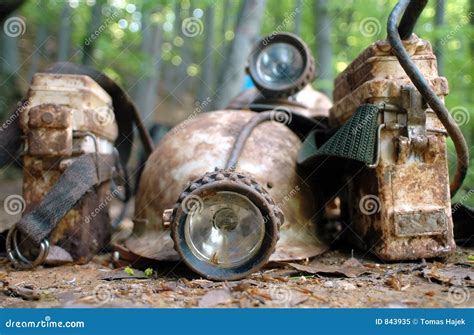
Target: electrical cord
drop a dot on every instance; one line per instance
(412, 10)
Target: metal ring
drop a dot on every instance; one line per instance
(17, 258)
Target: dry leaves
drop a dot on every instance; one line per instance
(351, 268)
(215, 297)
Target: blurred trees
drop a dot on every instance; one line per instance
(174, 56)
(246, 34)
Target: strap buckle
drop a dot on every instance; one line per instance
(17, 258)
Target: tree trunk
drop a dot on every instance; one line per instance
(65, 33)
(438, 46)
(170, 70)
(224, 47)
(206, 86)
(298, 17)
(471, 21)
(185, 81)
(146, 90)
(246, 33)
(90, 39)
(323, 45)
(40, 38)
(9, 71)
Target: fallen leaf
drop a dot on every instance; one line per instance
(121, 274)
(394, 282)
(215, 297)
(166, 287)
(58, 256)
(450, 274)
(26, 293)
(351, 268)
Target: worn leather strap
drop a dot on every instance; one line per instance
(85, 172)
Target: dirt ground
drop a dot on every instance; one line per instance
(338, 278)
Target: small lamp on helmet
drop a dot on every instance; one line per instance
(280, 65)
(224, 225)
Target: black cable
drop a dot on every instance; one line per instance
(300, 125)
(244, 135)
(410, 16)
(424, 88)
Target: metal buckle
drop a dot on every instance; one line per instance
(17, 258)
(377, 156)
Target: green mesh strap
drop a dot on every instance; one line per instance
(355, 140)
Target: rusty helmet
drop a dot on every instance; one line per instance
(225, 222)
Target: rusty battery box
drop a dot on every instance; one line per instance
(67, 116)
(400, 209)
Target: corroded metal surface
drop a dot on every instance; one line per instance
(307, 102)
(59, 108)
(376, 75)
(197, 146)
(401, 209)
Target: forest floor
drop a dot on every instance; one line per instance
(337, 278)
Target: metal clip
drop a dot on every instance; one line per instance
(377, 155)
(17, 258)
(412, 102)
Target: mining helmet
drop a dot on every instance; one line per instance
(222, 191)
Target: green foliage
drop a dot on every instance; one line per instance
(149, 272)
(128, 270)
(118, 46)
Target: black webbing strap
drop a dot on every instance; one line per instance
(355, 140)
(85, 172)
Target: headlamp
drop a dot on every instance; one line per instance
(281, 65)
(225, 225)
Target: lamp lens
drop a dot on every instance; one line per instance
(279, 65)
(227, 230)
